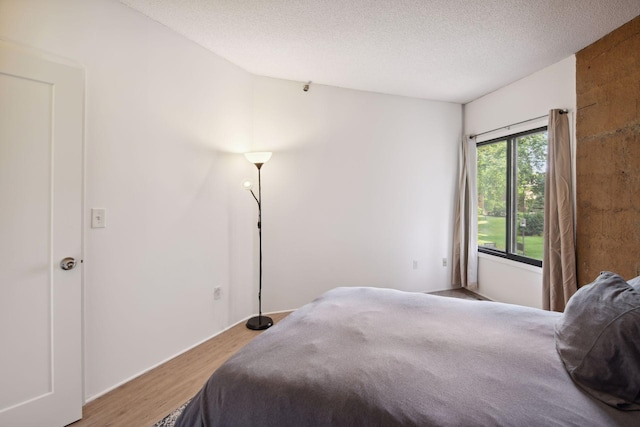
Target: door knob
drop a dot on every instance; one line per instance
(68, 263)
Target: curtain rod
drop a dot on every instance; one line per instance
(565, 111)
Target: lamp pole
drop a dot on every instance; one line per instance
(259, 322)
(259, 166)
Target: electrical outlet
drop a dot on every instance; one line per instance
(415, 264)
(444, 262)
(217, 292)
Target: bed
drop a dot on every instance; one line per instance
(382, 357)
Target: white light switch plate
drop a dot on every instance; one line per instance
(98, 219)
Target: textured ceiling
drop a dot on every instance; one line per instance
(448, 50)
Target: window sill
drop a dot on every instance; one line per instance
(509, 262)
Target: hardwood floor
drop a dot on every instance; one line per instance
(460, 293)
(150, 397)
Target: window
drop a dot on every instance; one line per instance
(511, 176)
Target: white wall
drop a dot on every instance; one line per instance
(533, 96)
(360, 185)
(160, 113)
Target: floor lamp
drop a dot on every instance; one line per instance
(258, 322)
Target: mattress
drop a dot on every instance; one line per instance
(382, 357)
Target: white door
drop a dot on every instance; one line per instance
(41, 127)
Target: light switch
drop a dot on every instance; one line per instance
(98, 219)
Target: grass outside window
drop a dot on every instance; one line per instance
(492, 234)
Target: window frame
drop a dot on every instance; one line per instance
(511, 201)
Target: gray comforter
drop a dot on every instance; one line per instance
(380, 357)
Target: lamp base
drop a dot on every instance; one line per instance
(259, 323)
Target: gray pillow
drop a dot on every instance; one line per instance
(635, 283)
(598, 340)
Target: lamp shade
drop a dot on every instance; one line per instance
(258, 157)
(247, 185)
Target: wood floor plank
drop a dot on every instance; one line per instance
(460, 293)
(150, 397)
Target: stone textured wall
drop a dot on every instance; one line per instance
(608, 154)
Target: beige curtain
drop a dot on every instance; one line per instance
(465, 232)
(559, 261)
